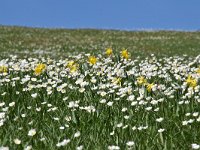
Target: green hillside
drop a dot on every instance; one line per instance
(59, 41)
(103, 100)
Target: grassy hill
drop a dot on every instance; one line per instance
(57, 42)
(99, 102)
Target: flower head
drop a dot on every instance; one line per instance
(141, 80)
(3, 69)
(39, 69)
(149, 86)
(31, 132)
(17, 141)
(109, 51)
(191, 82)
(92, 60)
(73, 66)
(198, 70)
(125, 54)
(117, 80)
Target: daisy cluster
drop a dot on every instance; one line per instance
(105, 101)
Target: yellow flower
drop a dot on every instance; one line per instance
(70, 63)
(149, 86)
(117, 81)
(198, 70)
(3, 69)
(73, 66)
(109, 51)
(125, 53)
(92, 60)
(39, 69)
(141, 80)
(191, 82)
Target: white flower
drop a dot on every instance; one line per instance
(17, 141)
(42, 139)
(55, 118)
(195, 146)
(198, 119)
(34, 95)
(81, 90)
(31, 132)
(134, 128)
(119, 125)
(131, 98)
(73, 104)
(23, 115)
(161, 130)
(63, 143)
(124, 109)
(5, 109)
(184, 123)
(112, 133)
(159, 119)
(79, 147)
(187, 114)
(113, 147)
(126, 117)
(2, 104)
(110, 103)
(11, 104)
(103, 101)
(148, 108)
(38, 109)
(103, 93)
(61, 128)
(195, 114)
(77, 134)
(4, 148)
(130, 143)
(2, 115)
(29, 147)
(134, 103)
(124, 127)
(190, 120)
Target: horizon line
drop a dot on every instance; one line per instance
(104, 28)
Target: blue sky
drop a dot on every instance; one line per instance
(106, 14)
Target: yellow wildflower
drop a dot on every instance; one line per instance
(117, 80)
(109, 51)
(92, 60)
(191, 82)
(3, 69)
(39, 69)
(73, 66)
(141, 80)
(70, 63)
(125, 53)
(149, 86)
(198, 70)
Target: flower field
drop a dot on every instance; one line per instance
(102, 101)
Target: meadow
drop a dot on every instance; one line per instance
(93, 89)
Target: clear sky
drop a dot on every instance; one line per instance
(106, 14)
